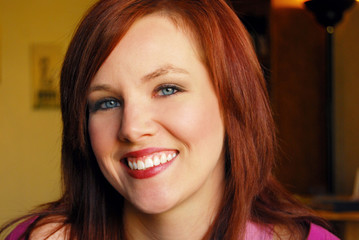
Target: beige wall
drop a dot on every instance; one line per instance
(347, 100)
(29, 139)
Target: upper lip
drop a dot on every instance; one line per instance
(145, 152)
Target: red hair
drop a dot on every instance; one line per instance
(90, 206)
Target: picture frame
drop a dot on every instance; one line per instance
(46, 62)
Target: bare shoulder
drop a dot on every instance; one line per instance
(49, 231)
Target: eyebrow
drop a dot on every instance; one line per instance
(166, 69)
(101, 87)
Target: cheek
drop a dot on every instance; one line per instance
(198, 124)
(103, 135)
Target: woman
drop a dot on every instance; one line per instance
(168, 133)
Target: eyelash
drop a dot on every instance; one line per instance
(115, 103)
(175, 89)
(99, 105)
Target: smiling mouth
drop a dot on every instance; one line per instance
(150, 161)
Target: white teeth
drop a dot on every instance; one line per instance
(163, 158)
(148, 163)
(171, 156)
(140, 165)
(156, 161)
(130, 165)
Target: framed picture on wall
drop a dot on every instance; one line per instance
(46, 64)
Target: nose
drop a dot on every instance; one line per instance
(136, 122)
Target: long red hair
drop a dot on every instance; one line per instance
(91, 207)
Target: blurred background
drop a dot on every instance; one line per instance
(319, 153)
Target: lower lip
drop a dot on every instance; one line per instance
(149, 172)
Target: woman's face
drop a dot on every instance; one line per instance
(155, 124)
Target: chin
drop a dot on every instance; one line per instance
(154, 210)
(154, 205)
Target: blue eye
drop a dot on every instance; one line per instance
(109, 104)
(167, 90)
(105, 104)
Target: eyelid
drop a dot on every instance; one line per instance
(167, 85)
(96, 106)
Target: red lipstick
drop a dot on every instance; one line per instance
(150, 171)
(144, 152)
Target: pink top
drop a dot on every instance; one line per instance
(258, 232)
(319, 233)
(253, 232)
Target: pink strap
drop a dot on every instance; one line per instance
(20, 229)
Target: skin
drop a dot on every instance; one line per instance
(139, 112)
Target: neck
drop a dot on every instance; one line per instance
(189, 220)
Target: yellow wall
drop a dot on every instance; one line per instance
(29, 139)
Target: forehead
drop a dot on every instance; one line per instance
(151, 42)
(161, 26)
